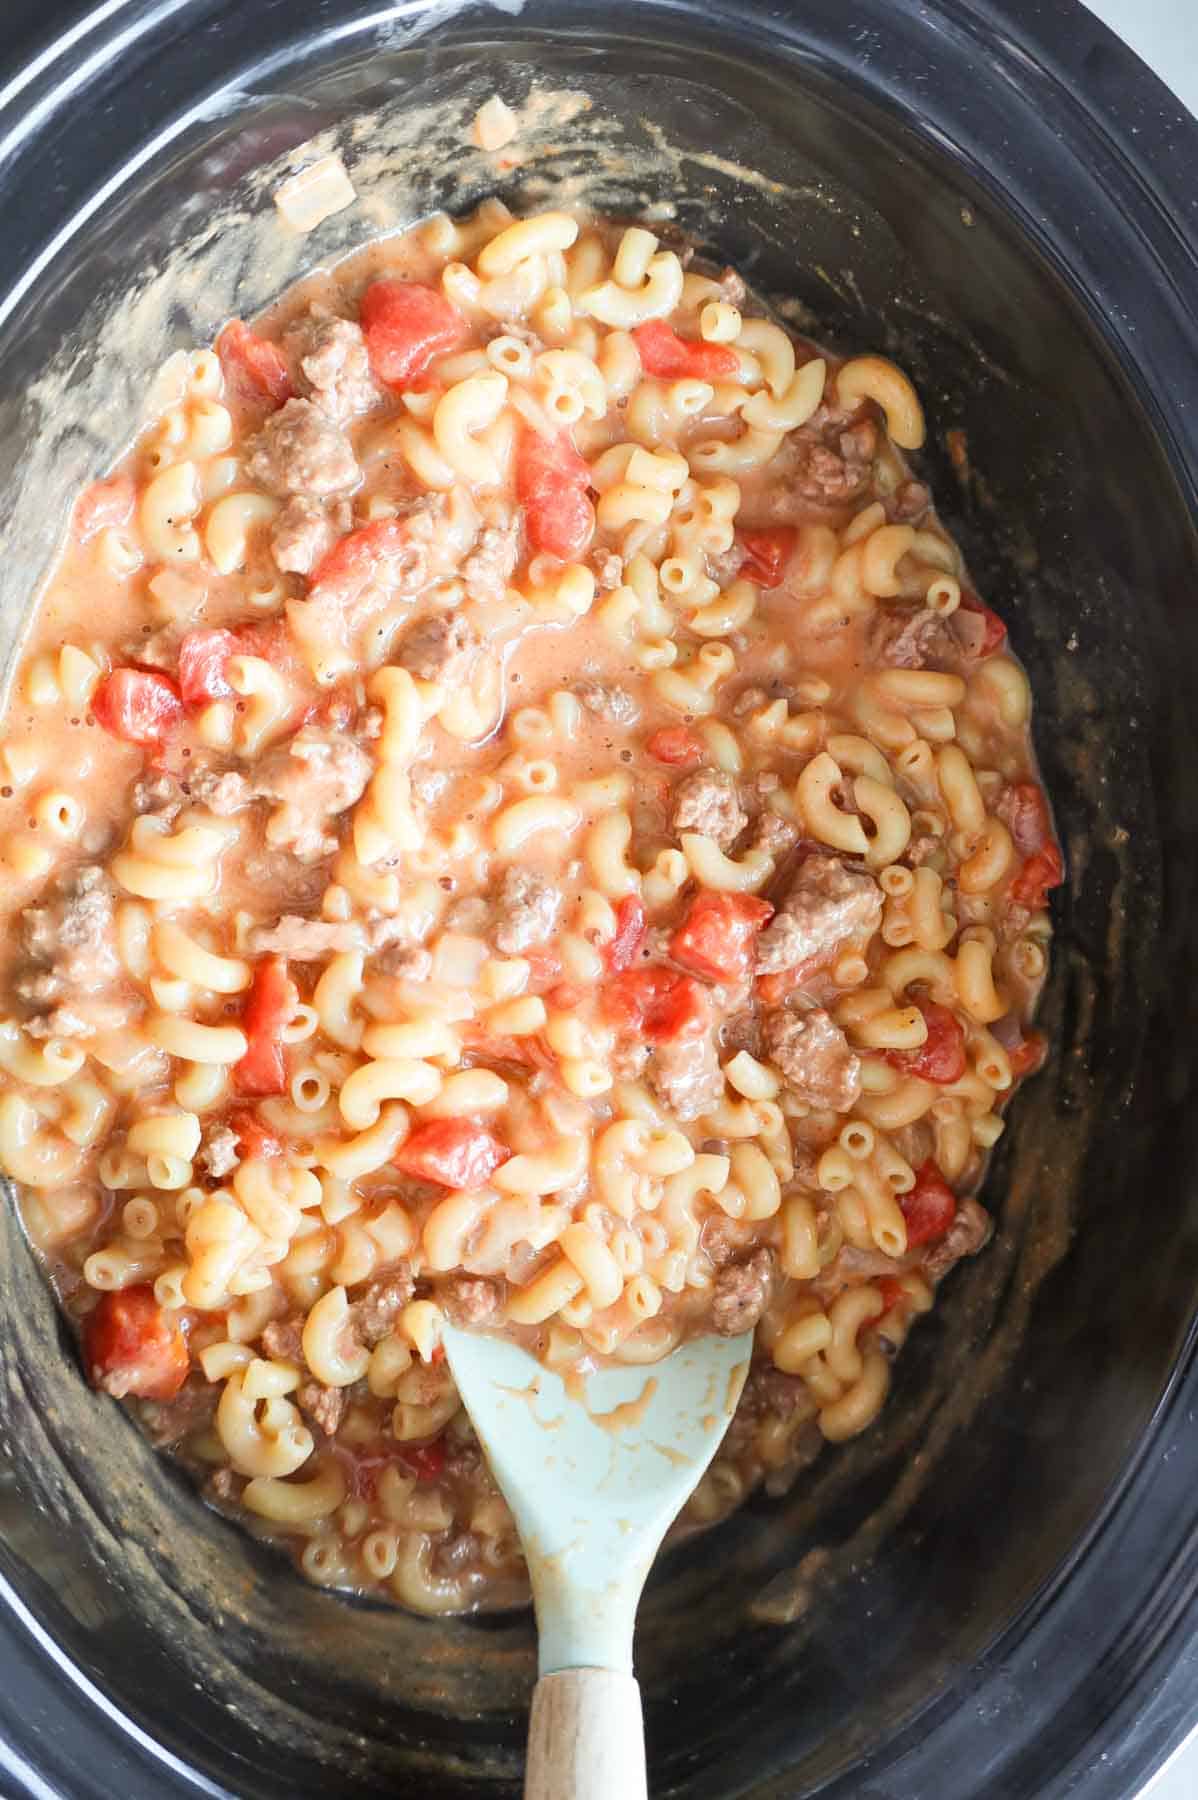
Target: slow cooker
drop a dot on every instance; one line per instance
(993, 1592)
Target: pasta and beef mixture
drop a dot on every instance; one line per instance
(514, 814)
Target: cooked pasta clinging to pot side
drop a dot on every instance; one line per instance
(514, 813)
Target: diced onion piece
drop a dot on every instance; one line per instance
(315, 194)
(495, 124)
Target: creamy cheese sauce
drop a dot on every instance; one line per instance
(514, 812)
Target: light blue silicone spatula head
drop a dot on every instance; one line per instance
(595, 1473)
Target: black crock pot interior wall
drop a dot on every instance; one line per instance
(1017, 1407)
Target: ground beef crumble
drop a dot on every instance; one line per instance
(826, 904)
(707, 801)
(325, 1406)
(300, 451)
(813, 1054)
(73, 981)
(219, 1152)
(313, 779)
(471, 1299)
(434, 648)
(527, 909)
(741, 1293)
(375, 1310)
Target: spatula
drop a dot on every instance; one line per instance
(595, 1472)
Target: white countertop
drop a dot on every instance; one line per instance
(1165, 34)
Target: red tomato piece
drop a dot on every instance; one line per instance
(941, 1056)
(1042, 872)
(132, 1346)
(1028, 1056)
(271, 639)
(656, 1003)
(362, 555)
(405, 326)
(893, 1294)
(254, 363)
(138, 705)
(544, 966)
(675, 745)
(104, 503)
(631, 925)
(252, 1134)
(665, 354)
(929, 1208)
(455, 1153)
(552, 485)
(271, 1004)
(682, 1012)
(767, 554)
(718, 935)
(995, 632)
(1024, 807)
(425, 1461)
(202, 659)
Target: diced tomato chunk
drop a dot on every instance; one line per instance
(425, 1461)
(104, 503)
(363, 554)
(767, 554)
(929, 1208)
(544, 963)
(455, 1153)
(1028, 1056)
(1024, 806)
(202, 659)
(623, 946)
(271, 1004)
(552, 483)
(675, 745)
(656, 1003)
(995, 632)
(941, 1056)
(138, 705)
(1042, 872)
(893, 1294)
(272, 640)
(683, 1012)
(663, 353)
(544, 966)
(252, 1135)
(718, 936)
(256, 366)
(131, 1345)
(405, 325)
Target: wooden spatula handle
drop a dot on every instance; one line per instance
(586, 1738)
